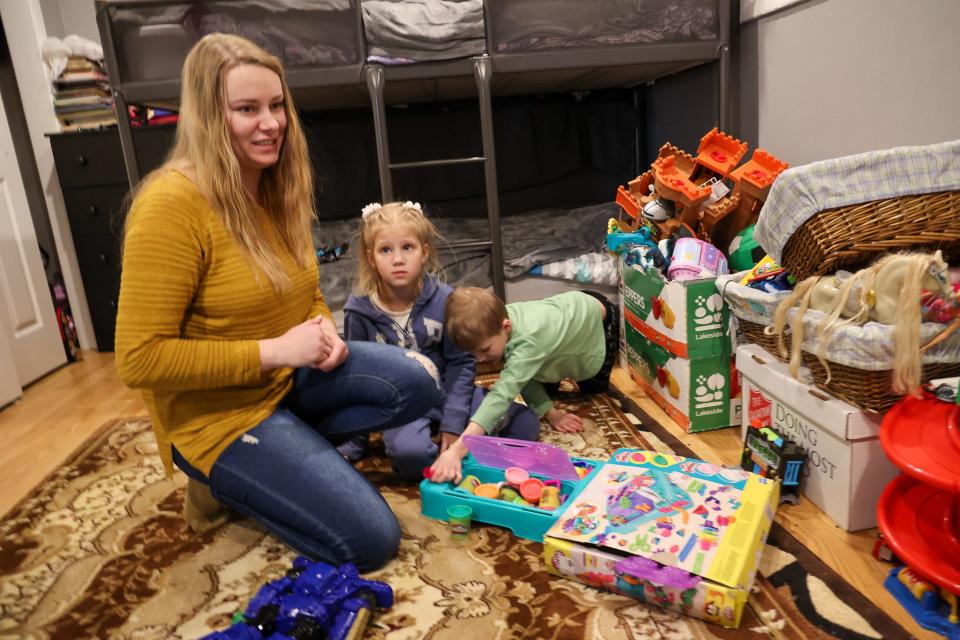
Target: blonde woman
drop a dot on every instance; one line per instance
(222, 325)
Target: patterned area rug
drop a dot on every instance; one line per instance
(100, 551)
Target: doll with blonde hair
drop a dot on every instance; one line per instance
(221, 323)
(888, 292)
(400, 299)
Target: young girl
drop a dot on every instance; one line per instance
(401, 301)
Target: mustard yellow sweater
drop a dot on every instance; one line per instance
(190, 315)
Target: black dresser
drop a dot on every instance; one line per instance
(94, 183)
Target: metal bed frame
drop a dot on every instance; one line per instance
(495, 73)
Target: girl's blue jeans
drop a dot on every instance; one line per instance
(286, 472)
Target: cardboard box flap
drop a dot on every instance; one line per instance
(683, 513)
(841, 419)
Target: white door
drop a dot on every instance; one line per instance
(29, 323)
(9, 380)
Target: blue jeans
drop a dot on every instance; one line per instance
(286, 473)
(411, 446)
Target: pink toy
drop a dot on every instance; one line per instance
(515, 476)
(693, 258)
(535, 457)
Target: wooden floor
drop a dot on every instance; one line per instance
(58, 413)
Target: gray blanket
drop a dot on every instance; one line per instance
(424, 29)
(529, 239)
(532, 25)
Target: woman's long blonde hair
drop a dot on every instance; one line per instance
(375, 219)
(203, 144)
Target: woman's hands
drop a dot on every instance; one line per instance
(338, 348)
(312, 343)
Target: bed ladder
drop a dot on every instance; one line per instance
(482, 70)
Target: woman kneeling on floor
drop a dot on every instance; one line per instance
(222, 325)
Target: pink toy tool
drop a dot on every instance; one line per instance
(534, 457)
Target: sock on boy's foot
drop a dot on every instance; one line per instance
(201, 511)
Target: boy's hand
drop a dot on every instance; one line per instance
(447, 466)
(564, 422)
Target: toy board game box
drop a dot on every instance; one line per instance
(698, 394)
(688, 318)
(673, 531)
(486, 463)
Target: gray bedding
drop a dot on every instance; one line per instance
(420, 30)
(535, 25)
(529, 239)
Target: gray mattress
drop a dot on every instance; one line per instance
(529, 239)
(542, 25)
(422, 30)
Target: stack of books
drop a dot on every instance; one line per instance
(81, 96)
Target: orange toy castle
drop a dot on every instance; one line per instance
(682, 189)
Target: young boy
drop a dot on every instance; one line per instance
(571, 335)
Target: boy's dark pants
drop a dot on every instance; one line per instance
(611, 334)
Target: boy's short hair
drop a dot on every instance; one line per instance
(474, 315)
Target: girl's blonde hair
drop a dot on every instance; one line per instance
(203, 145)
(375, 219)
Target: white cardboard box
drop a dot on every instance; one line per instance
(846, 467)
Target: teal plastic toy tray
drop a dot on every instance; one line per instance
(528, 522)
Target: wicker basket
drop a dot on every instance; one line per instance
(754, 334)
(853, 236)
(869, 390)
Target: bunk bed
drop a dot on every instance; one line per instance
(375, 53)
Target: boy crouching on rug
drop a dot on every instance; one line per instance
(571, 335)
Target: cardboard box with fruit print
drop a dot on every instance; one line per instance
(699, 394)
(687, 318)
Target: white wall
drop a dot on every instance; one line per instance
(837, 77)
(70, 17)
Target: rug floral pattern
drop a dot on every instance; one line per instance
(100, 550)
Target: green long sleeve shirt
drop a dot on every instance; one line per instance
(552, 339)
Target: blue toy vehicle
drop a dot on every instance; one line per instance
(313, 601)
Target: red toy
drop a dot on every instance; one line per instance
(919, 512)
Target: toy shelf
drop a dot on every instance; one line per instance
(920, 524)
(919, 512)
(920, 436)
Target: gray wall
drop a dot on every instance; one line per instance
(70, 17)
(830, 78)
